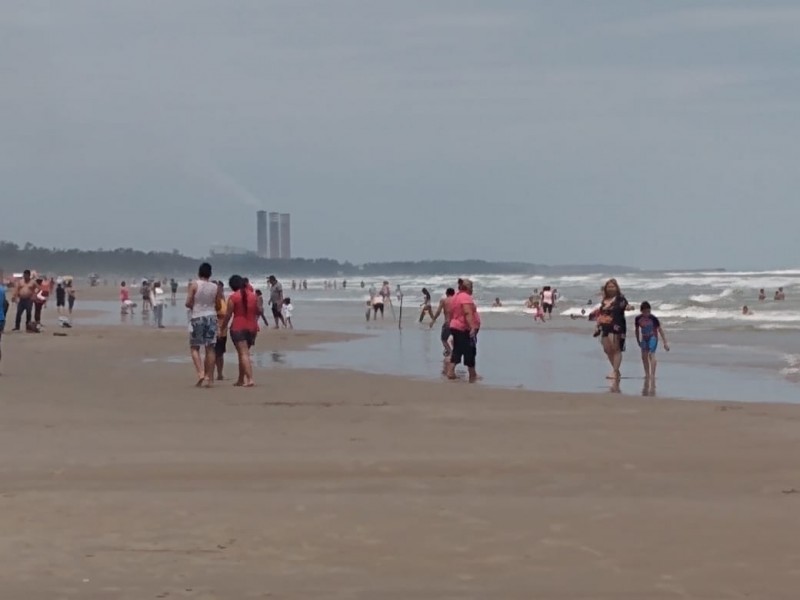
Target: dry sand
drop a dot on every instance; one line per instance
(119, 479)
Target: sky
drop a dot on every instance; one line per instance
(661, 134)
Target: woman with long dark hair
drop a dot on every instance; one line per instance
(242, 315)
(426, 308)
(612, 324)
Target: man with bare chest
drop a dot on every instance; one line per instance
(24, 292)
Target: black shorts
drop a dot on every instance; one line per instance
(464, 347)
(60, 298)
(445, 332)
(237, 337)
(71, 301)
(608, 330)
(221, 346)
(547, 308)
(377, 307)
(276, 311)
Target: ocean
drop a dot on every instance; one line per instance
(717, 352)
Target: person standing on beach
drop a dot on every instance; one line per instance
(125, 299)
(70, 296)
(377, 305)
(548, 301)
(444, 309)
(426, 307)
(173, 286)
(612, 324)
(39, 301)
(24, 293)
(3, 310)
(61, 297)
(145, 291)
(157, 302)
(648, 330)
(201, 302)
(287, 310)
(276, 301)
(221, 345)
(242, 316)
(464, 327)
(261, 311)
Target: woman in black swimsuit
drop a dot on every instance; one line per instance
(611, 320)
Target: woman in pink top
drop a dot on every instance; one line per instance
(464, 326)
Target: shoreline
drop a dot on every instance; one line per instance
(122, 479)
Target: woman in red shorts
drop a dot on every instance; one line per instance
(242, 314)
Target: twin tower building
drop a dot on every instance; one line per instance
(278, 244)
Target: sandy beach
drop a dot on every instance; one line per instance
(121, 480)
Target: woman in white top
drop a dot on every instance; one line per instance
(202, 304)
(548, 300)
(157, 301)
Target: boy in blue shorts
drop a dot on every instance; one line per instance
(648, 330)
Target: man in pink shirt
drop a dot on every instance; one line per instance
(464, 325)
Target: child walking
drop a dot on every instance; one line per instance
(538, 311)
(261, 315)
(286, 311)
(648, 330)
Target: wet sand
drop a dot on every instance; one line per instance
(119, 479)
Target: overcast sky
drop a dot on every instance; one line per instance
(649, 133)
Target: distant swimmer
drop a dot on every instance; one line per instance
(762, 295)
(362, 285)
(580, 316)
(780, 295)
(444, 309)
(497, 303)
(746, 311)
(426, 307)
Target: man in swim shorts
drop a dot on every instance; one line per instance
(648, 330)
(276, 300)
(444, 308)
(24, 292)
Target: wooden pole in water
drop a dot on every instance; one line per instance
(400, 320)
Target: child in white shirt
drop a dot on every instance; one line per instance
(286, 311)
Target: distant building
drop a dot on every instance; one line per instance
(261, 225)
(286, 236)
(274, 235)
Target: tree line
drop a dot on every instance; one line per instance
(131, 262)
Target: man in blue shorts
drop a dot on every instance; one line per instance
(648, 330)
